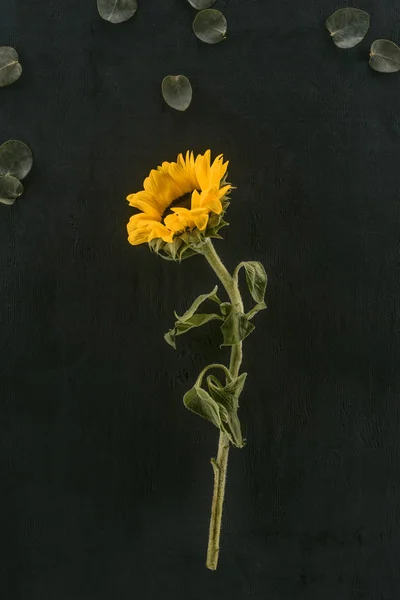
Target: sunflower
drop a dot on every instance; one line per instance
(182, 203)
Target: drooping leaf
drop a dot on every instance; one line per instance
(177, 91)
(236, 328)
(201, 4)
(384, 56)
(195, 305)
(348, 27)
(210, 26)
(256, 309)
(10, 189)
(256, 278)
(10, 68)
(200, 402)
(15, 159)
(227, 398)
(116, 11)
(182, 327)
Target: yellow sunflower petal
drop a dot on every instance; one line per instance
(202, 166)
(145, 202)
(196, 199)
(160, 231)
(218, 170)
(175, 223)
(200, 218)
(138, 235)
(140, 220)
(210, 199)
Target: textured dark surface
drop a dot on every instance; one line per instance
(105, 477)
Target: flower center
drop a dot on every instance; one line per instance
(184, 201)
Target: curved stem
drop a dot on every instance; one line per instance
(220, 464)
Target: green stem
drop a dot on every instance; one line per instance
(220, 464)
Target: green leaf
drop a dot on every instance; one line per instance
(256, 278)
(256, 309)
(210, 26)
(201, 4)
(236, 328)
(199, 300)
(15, 159)
(10, 69)
(177, 91)
(227, 398)
(116, 11)
(348, 27)
(182, 327)
(384, 56)
(200, 402)
(10, 189)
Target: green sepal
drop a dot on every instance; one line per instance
(235, 328)
(256, 279)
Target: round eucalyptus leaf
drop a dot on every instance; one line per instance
(210, 26)
(10, 189)
(384, 56)
(177, 91)
(10, 69)
(201, 4)
(15, 159)
(348, 26)
(116, 11)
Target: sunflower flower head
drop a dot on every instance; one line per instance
(182, 203)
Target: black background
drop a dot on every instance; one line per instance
(106, 482)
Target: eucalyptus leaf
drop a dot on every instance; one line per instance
(201, 4)
(200, 402)
(15, 159)
(116, 11)
(210, 26)
(10, 189)
(10, 68)
(256, 278)
(195, 305)
(348, 27)
(177, 91)
(236, 328)
(384, 56)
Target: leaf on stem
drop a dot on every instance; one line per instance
(210, 26)
(384, 56)
(348, 27)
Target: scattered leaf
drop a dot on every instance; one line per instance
(348, 26)
(10, 189)
(201, 4)
(210, 26)
(10, 69)
(384, 56)
(177, 91)
(15, 159)
(116, 11)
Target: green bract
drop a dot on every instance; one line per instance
(384, 56)
(210, 26)
(116, 11)
(177, 91)
(348, 26)
(10, 69)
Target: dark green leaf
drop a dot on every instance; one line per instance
(210, 26)
(348, 26)
(195, 305)
(10, 189)
(15, 159)
(10, 69)
(116, 11)
(227, 398)
(201, 4)
(177, 91)
(256, 278)
(384, 56)
(182, 327)
(200, 402)
(236, 328)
